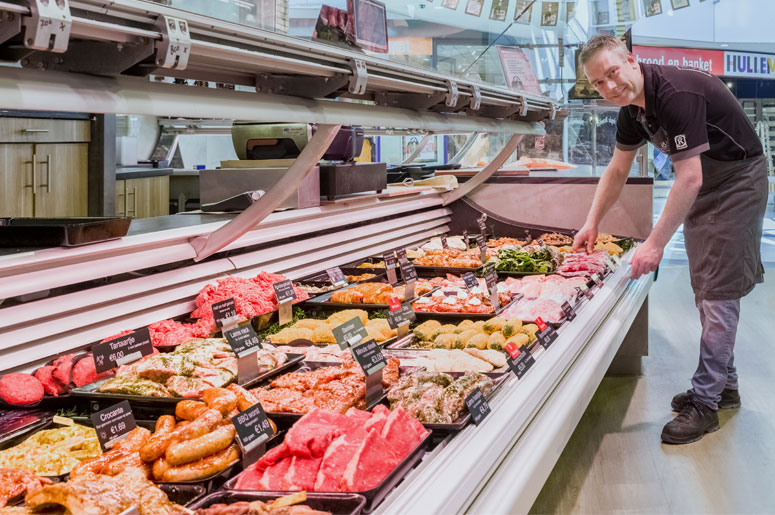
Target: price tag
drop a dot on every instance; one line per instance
(285, 296)
(546, 334)
(225, 313)
(470, 279)
(519, 361)
(401, 253)
(369, 357)
(390, 266)
(408, 274)
(491, 278)
(401, 317)
(465, 237)
(350, 333)
(477, 406)
(481, 222)
(596, 279)
(570, 313)
(336, 276)
(253, 431)
(245, 343)
(480, 242)
(444, 244)
(113, 424)
(585, 291)
(616, 259)
(122, 350)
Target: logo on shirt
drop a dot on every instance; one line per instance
(680, 142)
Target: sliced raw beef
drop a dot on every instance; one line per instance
(336, 459)
(20, 389)
(359, 416)
(403, 432)
(372, 462)
(250, 478)
(85, 372)
(274, 476)
(302, 473)
(378, 418)
(50, 385)
(63, 366)
(312, 434)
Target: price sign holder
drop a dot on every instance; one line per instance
(482, 223)
(336, 276)
(570, 313)
(285, 295)
(465, 237)
(350, 333)
(409, 274)
(491, 278)
(586, 292)
(370, 358)
(225, 313)
(617, 260)
(253, 431)
(113, 424)
(546, 334)
(477, 406)
(122, 350)
(470, 279)
(245, 343)
(390, 267)
(401, 253)
(399, 316)
(444, 243)
(519, 361)
(482, 244)
(597, 280)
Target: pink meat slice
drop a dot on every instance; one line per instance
(50, 385)
(63, 367)
(531, 290)
(312, 434)
(359, 416)
(403, 432)
(378, 418)
(371, 463)
(336, 459)
(274, 476)
(533, 279)
(85, 371)
(302, 473)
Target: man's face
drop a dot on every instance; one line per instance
(617, 79)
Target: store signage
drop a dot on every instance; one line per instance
(408, 274)
(597, 280)
(369, 357)
(245, 343)
(113, 424)
(401, 253)
(350, 333)
(465, 238)
(444, 243)
(225, 313)
(519, 361)
(546, 334)
(570, 313)
(470, 279)
(400, 317)
(728, 63)
(285, 294)
(336, 276)
(477, 406)
(122, 350)
(253, 430)
(482, 247)
(390, 266)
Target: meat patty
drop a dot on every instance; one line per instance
(50, 384)
(18, 388)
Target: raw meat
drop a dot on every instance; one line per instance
(85, 372)
(63, 366)
(274, 476)
(302, 473)
(530, 309)
(373, 461)
(312, 434)
(50, 385)
(359, 416)
(336, 460)
(19, 388)
(378, 419)
(403, 431)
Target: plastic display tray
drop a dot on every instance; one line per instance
(425, 315)
(16, 423)
(378, 493)
(336, 504)
(323, 301)
(68, 232)
(185, 495)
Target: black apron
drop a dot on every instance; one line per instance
(723, 229)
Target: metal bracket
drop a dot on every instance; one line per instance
(476, 98)
(48, 25)
(418, 101)
(175, 47)
(10, 25)
(297, 86)
(552, 111)
(523, 106)
(452, 94)
(359, 77)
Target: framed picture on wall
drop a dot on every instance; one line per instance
(550, 11)
(679, 4)
(602, 18)
(450, 4)
(499, 9)
(570, 11)
(653, 7)
(525, 18)
(474, 7)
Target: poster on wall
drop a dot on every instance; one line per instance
(626, 11)
(474, 7)
(679, 4)
(582, 89)
(570, 11)
(528, 14)
(427, 155)
(450, 4)
(499, 9)
(550, 11)
(518, 70)
(653, 7)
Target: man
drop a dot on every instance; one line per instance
(720, 194)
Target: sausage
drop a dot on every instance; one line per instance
(159, 441)
(203, 468)
(204, 423)
(135, 439)
(160, 466)
(190, 410)
(245, 399)
(179, 453)
(127, 461)
(221, 399)
(94, 465)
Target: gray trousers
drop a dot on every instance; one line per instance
(716, 369)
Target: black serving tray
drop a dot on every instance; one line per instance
(322, 301)
(101, 400)
(18, 423)
(425, 315)
(433, 271)
(68, 232)
(378, 493)
(182, 494)
(336, 504)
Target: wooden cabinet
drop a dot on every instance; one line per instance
(143, 198)
(43, 167)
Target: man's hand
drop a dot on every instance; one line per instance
(585, 239)
(646, 259)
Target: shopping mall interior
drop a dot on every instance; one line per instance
(402, 257)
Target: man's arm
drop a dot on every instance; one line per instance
(608, 190)
(688, 179)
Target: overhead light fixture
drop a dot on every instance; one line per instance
(729, 85)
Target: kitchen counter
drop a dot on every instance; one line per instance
(140, 172)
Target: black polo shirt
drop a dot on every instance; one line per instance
(688, 112)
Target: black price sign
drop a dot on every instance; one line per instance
(408, 272)
(465, 237)
(253, 430)
(369, 357)
(336, 276)
(122, 350)
(470, 279)
(284, 291)
(401, 316)
(482, 225)
(401, 253)
(570, 313)
(490, 277)
(584, 289)
(477, 406)
(522, 363)
(444, 243)
(350, 333)
(546, 334)
(225, 312)
(113, 424)
(243, 340)
(390, 266)
(480, 241)
(596, 279)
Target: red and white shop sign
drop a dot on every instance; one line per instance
(711, 61)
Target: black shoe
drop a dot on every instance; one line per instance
(730, 399)
(694, 420)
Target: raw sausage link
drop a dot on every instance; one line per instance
(221, 399)
(180, 453)
(136, 438)
(245, 399)
(190, 410)
(201, 469)
(158, 442)
(205, 423)
(160, 467)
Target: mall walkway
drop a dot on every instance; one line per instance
(615, 462)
